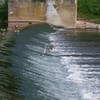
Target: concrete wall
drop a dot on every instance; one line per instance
(37, 9)
(26, 9)
(66, 13)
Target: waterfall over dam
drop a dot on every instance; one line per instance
(56, 12)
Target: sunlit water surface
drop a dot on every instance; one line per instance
(71, 71)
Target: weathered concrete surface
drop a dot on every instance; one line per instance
(86, 25)
(26, 10)
(67, 9)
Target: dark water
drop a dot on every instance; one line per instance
(3, 29)
(71, 71)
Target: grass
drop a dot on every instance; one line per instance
(89, 17)
(89, 10)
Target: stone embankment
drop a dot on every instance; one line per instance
(86, 25)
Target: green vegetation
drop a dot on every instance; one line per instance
(89, 10)
(3, 13)
(4, 4)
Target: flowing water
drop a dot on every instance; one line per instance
(70, 71)
(52, 15)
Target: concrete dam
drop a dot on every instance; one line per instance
(56, 12)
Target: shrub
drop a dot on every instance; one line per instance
(89, 6)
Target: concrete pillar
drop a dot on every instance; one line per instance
(68, 13)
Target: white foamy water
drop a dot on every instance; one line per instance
(87, 87)
(78, 73)
(52, 14)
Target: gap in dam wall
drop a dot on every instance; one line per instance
(56, 12)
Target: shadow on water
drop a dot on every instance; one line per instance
(3, 30)
(68, 72)
(9, 82)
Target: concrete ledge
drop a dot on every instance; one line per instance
(17, 25)
(25, 21)
(87, 25)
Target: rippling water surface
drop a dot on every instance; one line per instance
(71, 71)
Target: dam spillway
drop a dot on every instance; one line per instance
(57, 12)
(71, 71)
